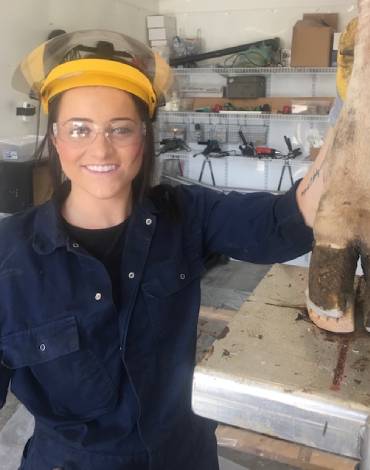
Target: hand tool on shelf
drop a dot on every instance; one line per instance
(292, 153)
(172, 145)
(250, 150)
(212, 149)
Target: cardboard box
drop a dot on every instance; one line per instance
(161, 21)
(329, 19)
(312, 44)
(161, 34)
(160, 43)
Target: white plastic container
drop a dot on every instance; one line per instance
(18, 148)
(161, 21)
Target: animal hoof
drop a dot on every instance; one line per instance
(342, 322)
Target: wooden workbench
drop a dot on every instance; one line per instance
(271, 371)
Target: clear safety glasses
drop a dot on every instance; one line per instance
(82, 133)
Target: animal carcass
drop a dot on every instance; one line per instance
(342, 224)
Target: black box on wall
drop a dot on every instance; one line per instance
(246, 87)
(16, 186)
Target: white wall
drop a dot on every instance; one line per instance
(26, 23)
(233, 22)
(119, 15)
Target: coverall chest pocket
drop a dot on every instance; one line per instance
(172, 294)
(69, 374)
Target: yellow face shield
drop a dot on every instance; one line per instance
(94, 58)
(97, 72)
(346, 57)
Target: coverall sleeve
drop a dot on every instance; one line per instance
(256, 227)
(5, 375)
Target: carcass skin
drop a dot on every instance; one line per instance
(342, 223)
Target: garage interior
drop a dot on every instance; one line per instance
(254, 95)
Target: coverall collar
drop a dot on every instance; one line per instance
(49, 232)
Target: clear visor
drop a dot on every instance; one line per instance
(30, 74)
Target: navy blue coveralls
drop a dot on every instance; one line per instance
(111, 390)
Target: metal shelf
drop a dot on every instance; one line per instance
(180, 155)
(257, 70)
(186, 116)
(234, 171)
(259, 128)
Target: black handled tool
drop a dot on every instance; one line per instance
(248, 149)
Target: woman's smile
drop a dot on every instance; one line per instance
(101, 169)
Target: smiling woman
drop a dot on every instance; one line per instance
(79, 134)
(100, 164)
(100, 286)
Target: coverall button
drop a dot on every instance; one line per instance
(131, 275)
(42, 347)
(75, 245)
(148, 221)
(182, 276)
(98, 296)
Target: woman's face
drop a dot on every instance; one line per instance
(103, 166)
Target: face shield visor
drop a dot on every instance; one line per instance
(94, 58)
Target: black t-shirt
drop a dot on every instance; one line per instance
(106, 245)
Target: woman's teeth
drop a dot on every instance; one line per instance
(101, 168)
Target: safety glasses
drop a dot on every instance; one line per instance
(82, 133)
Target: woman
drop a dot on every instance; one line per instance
(100, 285)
